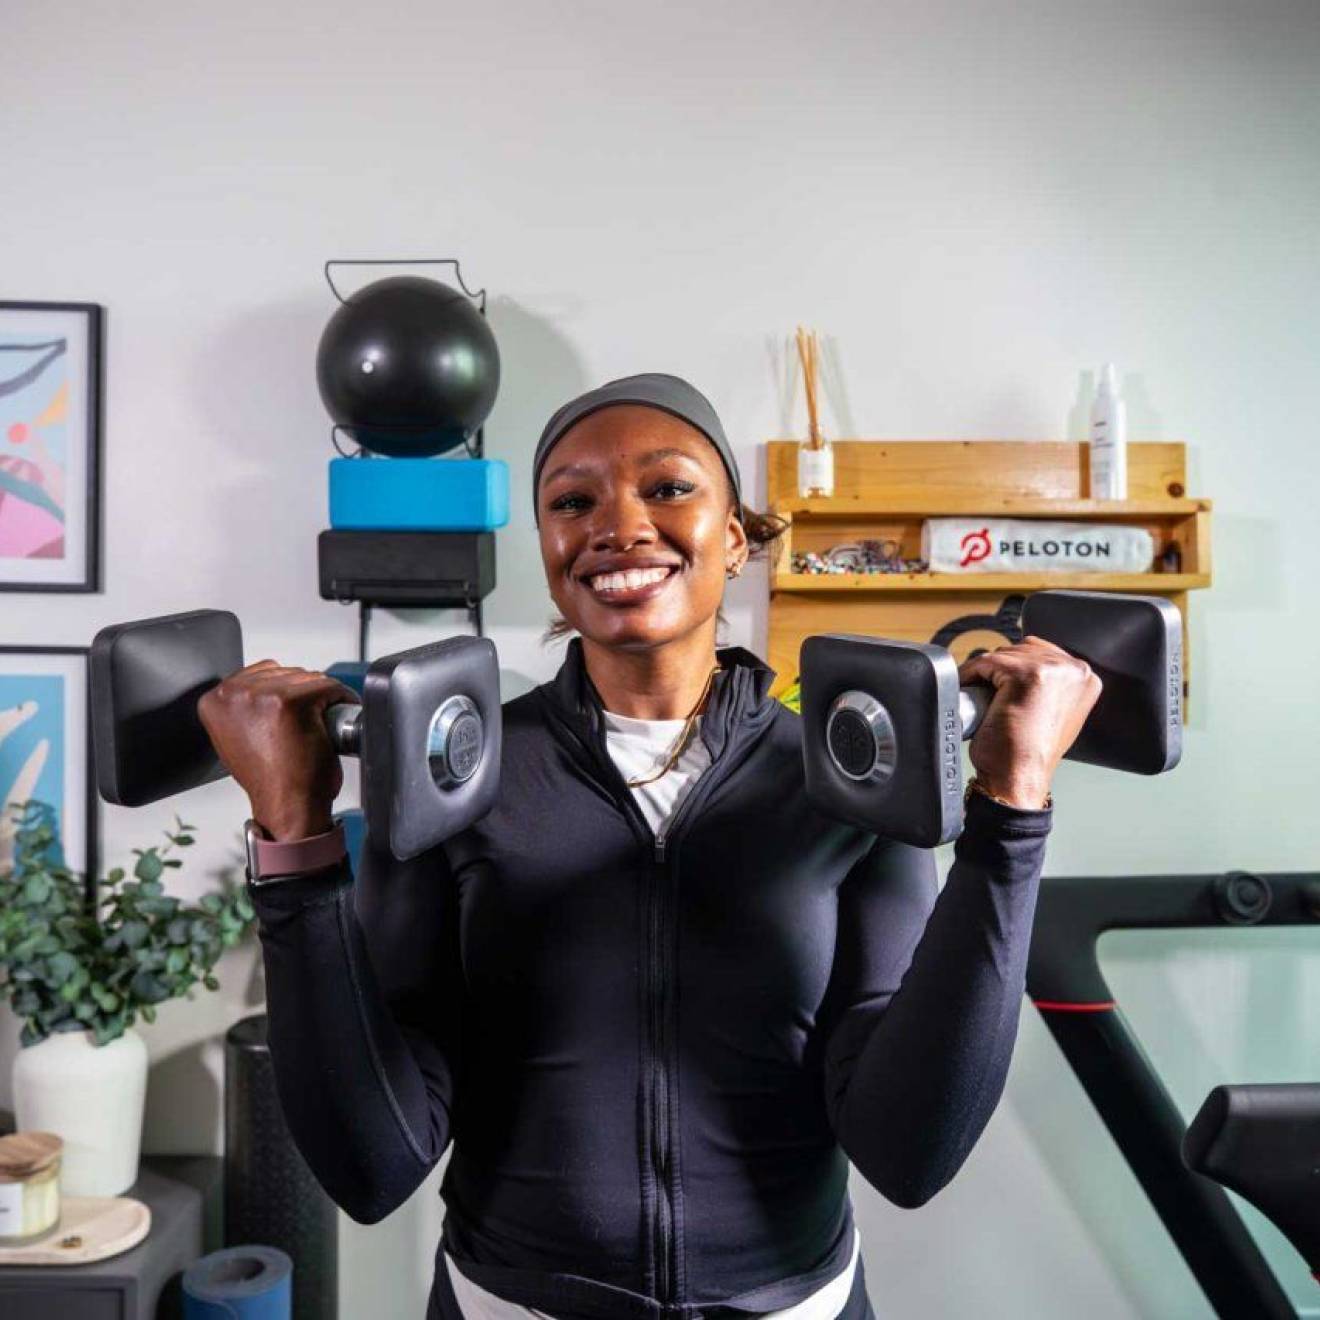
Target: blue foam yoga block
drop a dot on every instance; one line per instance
(351, 673)
(418, 494)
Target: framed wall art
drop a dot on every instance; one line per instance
(50, 445)
(46, 748)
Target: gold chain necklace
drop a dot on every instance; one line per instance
(684, 735)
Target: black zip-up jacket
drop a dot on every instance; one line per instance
(655, 1054)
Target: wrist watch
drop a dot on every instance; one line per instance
(270, 859)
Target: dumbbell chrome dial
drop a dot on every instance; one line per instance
(454, 742)
(860, 737)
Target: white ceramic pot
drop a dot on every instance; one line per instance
(92, 1096)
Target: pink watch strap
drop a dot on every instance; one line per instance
(273, 857)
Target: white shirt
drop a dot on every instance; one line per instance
(639, 748)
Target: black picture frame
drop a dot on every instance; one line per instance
(78, 789)
(35, 575)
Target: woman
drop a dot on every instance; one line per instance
(657, 999)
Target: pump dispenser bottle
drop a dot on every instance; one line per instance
(1108, 439)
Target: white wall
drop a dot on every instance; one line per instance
(977, 202)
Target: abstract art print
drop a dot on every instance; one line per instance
(50, 440)
(46, 748)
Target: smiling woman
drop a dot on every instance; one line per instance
(642, 522)
(655, 998)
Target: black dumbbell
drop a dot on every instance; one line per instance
(884, 721)
(427, 731)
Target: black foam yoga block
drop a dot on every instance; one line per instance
(435, 569)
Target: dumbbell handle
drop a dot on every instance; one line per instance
(973, 702)
(343, 722)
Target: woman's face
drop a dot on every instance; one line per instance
(637, 527)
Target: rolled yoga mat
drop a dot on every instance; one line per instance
(271, 1196)
(238, 1283)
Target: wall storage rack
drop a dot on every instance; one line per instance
(886, 489)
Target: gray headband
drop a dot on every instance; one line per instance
(652, 389)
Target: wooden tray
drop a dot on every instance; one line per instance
(90, 1228)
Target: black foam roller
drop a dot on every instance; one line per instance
(271, 1196)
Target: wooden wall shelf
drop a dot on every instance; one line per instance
(1002, 506)
(885, 489)
(1142, 584)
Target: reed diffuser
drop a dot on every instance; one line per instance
(815, 456)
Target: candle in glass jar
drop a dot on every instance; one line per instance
(29, 1185)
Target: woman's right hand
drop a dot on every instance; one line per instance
(267, 725)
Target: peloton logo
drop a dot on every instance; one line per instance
(1175, 683)
(976, 546)
(950, 739)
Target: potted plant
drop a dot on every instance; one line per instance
(79, 974)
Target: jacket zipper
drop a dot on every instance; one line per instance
(659, 1137)
(660, 883)
(659, 978)
(659, 982)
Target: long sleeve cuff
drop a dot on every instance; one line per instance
(289, 892)
(1003, 839)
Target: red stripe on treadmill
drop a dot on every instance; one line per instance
(1053, 1006)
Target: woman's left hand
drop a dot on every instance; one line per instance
(1042, 698)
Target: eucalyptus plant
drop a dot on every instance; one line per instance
(67, 964)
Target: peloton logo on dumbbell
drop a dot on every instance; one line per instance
(1175, 681)
(465, 746)
(951, 746)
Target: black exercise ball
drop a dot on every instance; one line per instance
(408, 366)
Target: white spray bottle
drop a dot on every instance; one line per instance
(1108, 439)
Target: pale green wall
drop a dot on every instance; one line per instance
(976, 202)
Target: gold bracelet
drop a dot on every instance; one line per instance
(974, 785)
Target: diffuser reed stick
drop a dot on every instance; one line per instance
(809, 355)
(815, 457)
